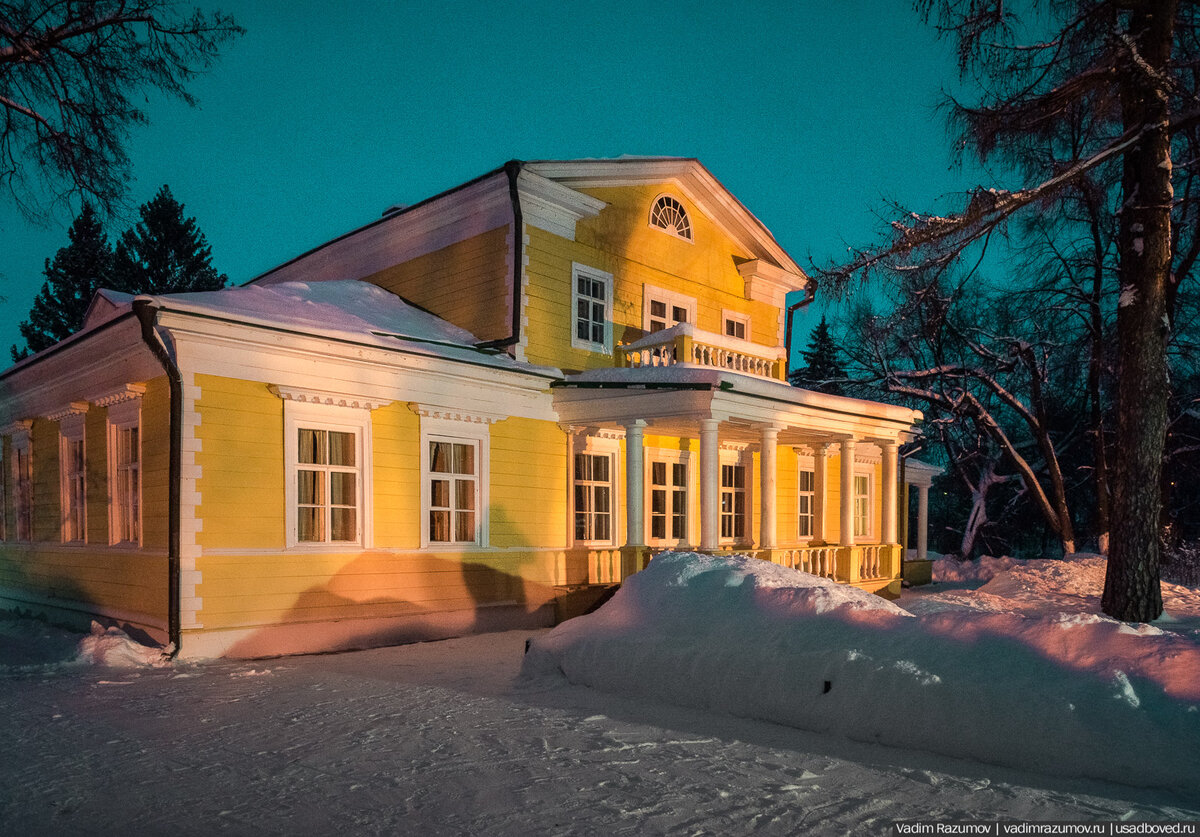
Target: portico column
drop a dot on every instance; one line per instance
(847, 533)
(710, 486)
(820, 477)
(922, 522)
(889, 491)
(767, 474)
(635, 513)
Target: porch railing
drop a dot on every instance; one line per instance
(866, 562)
(684, 344)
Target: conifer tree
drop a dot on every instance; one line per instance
(822, 370)
(165, 252)
(73, 276)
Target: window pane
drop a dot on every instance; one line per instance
(658, 502)
(658, 473)
(439, 457)
(678, 503)
(341, 448)
(581, 532)
(583, 469)
(464, 494)
(464, 526)
(312, 447)
(308, 524)
(601, 499)
(310, 487)
(658, 527)
(600, 468)
(464, 459)
(439, 526)
(597, 332)
(341, 489)
(581, 499)
(658, 308)
(806, 480)
(679, 474)
(439, 493)
(678, 314)
(342, 525)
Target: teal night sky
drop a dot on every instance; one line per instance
(323, 115)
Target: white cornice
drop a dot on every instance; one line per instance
(127, 392)
(434, 411)
(553, 207)
(75, 408)
(770, 284)
(305, 395)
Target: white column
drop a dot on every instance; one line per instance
(767, 474)
(890, 484)
(820, 475)
(922, 522)
(847, 533)
(635, 512)
(710, 486)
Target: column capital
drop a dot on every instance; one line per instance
(635, 425)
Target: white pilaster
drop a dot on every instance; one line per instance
(847, 454)
(922, 522)
(710, 486)
(767, 475)
(888, 492)
(635, 512)
(820, 477)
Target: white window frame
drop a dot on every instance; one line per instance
(868, 529)
(596, 275)
(744, 460)
(21, 447)
(669, 458)
(687, 217)
(123, 417)
(457, 432)
(299, 415)
(672, 300)
(743, 320)
(72, 485)
(609, 449)
(806, 465)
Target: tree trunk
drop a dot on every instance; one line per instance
(1131, 586)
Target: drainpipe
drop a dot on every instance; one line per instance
(810, 293)
(147, 314)
(513, 168)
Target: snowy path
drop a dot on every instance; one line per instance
(438, 739)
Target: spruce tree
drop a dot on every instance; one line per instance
(165, 253)
(822, 370)
(73, 276)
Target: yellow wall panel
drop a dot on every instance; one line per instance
(241, 485)
(396, 475)
(528, 492)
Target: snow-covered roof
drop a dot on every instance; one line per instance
(343, 309)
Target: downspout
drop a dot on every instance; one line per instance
(513, 168)
(147, 314)
(810, 293)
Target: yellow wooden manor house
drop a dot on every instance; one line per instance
(464, 416)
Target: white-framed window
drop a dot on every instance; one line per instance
(669, 500)
(862, 505)
(806, 495)
(454, 469)
(667, 214)
(594, 511)
(591, 307)
(733, 502)
(735, 325)
(22, 478)
(125, 473)
(662, 309)
(72, 468)
(327, 454)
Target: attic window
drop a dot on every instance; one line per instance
(669, 216)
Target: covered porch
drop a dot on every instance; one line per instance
(698, 455)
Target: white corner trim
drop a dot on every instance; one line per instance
(553, 207)
(123, 393)
(327, 398)
(433, 411)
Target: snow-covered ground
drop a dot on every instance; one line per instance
(974, 693)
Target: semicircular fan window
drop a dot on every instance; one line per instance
(669, 215)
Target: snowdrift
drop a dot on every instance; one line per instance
(1069, 694)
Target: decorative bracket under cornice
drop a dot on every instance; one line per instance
(454, 414)
(75, 408)
(128, 392)
(18, 427)
(305, 395)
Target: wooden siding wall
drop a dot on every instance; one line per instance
(620, 241)
(465, 283)
(249, 579)
(126, 583)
